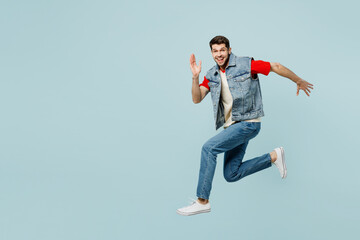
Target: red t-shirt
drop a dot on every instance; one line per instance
(257, 66)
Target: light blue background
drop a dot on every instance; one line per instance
(100, 138)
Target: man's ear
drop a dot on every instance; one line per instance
(229, 50)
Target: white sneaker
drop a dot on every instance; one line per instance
(194, 208)
(280, 161)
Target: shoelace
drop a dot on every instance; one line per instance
(192, 201)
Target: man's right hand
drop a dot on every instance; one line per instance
(198, 93)
(195, 69)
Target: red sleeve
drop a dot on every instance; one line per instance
(205, 83)
(259, 66)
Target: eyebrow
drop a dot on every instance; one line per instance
(224, 48)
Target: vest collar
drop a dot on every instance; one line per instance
(232, 61)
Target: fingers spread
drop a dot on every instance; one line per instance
(192, 58)
(306, 91)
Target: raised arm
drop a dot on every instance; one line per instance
(285, 72)
(198, 93)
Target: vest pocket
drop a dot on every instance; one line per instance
(242, 84)
(241, 78)
(243, 102)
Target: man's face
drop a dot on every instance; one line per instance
(220, 54)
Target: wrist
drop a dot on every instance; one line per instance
(196, 76)
(297, 80)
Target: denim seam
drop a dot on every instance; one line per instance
(206, 171)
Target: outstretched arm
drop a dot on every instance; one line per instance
(198, 93)
(285, 72)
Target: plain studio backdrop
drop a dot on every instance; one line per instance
(99, 138)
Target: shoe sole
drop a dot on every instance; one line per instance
(283, 161)
(192, 213)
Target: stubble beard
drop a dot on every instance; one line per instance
(225, 63)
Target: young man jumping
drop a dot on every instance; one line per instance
(237, 103)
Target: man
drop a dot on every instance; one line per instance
(236, 97)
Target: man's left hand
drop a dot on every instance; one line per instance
(305, 86)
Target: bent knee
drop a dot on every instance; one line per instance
(230, 178)
(207, 147)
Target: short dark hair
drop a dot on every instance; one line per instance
(220, 40)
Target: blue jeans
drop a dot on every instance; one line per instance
(233, 141)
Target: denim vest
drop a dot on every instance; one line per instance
(244, 89)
